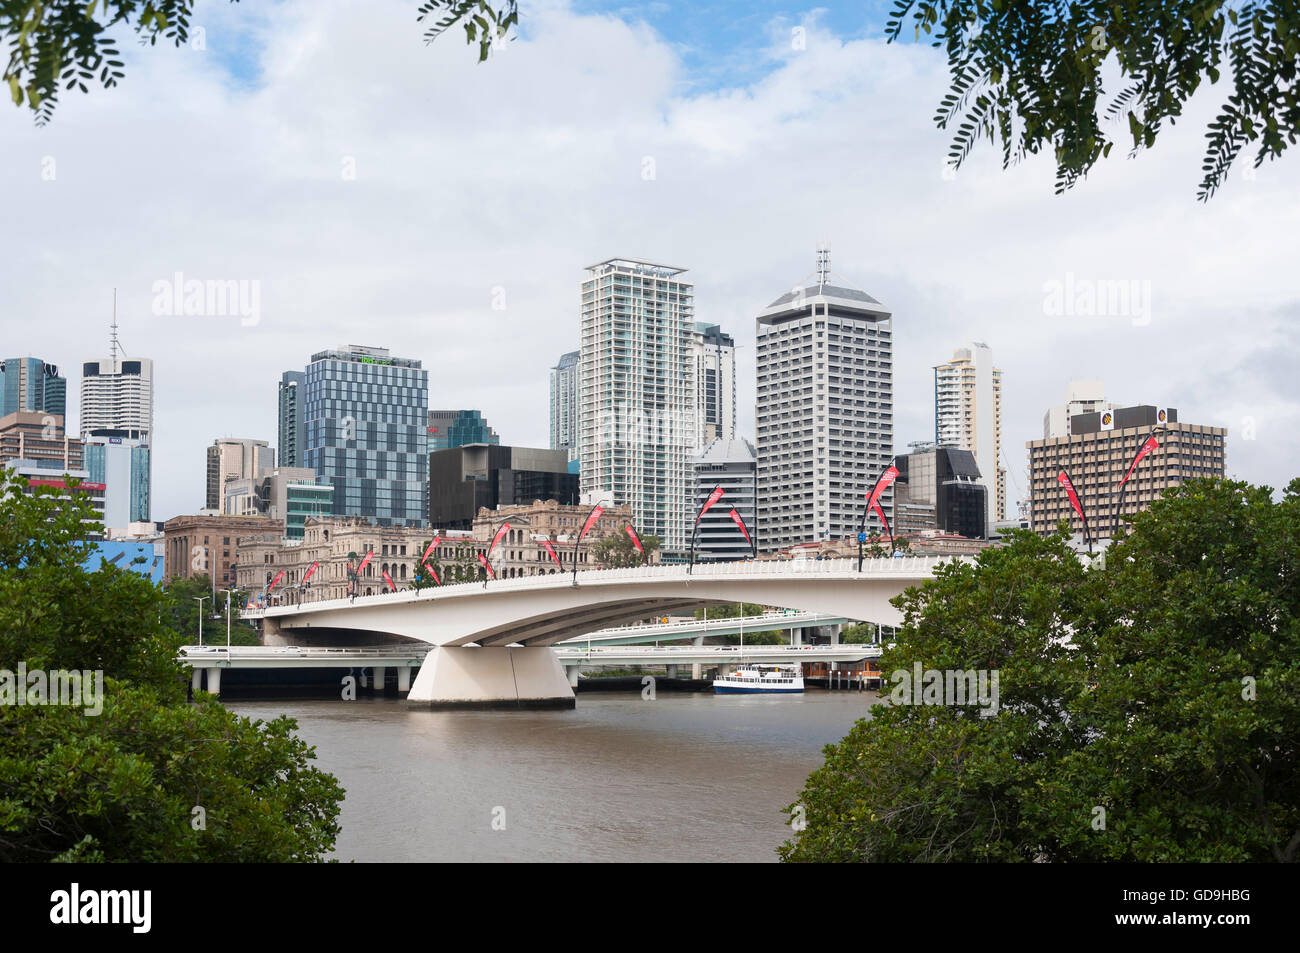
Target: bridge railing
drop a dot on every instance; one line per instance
(721, 622)
(905, 567)
(569, 648)
(312, 651)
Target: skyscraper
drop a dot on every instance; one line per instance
(1097, 449)
(464, 479)
(825, 410)
(28, 383)
(122, 465)
(117, 399)
(364, 413)
(728, 464)
(968, 416)
(289, 434)
(231, 458)
(939, 489)
(458, 428)
(713, 364)
(1081, 397)
(636, 394)
(564, 404)
(35, 445)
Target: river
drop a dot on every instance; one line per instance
(682, 777)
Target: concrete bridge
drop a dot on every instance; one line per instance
(491, 640)
(796, 623)
(207, 662)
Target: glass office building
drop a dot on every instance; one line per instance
(28, 383)
(305, 501)
(121, 463)
(459, 428)
(364, 414)
(290, 428)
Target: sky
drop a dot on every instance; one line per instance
(377, 190)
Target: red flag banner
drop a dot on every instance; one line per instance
(310, 571)
(885, 522)
(275, 581)
(635, 541)
(487, 566)
(1147, 447)
(432, 546)
(713, 498)
(551, 549)
(389, 579)
(505, 528)
(735, 518)
(1063, 478)
(366, 561)
(430, 571)
(882, 485)
(591, 521)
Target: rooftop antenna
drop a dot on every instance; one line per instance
(112, 333)
(113, 345)
(823, 262)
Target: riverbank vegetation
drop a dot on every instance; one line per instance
(1147, 710)
(137, 773)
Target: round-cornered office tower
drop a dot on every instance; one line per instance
(825, 410)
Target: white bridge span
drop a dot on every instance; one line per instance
(490, 639)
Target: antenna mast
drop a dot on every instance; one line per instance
(113, 345)
(823, 262)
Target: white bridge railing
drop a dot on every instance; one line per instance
(908, 567)
(570, 648)
(300, 651)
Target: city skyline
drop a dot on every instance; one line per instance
(499, 293)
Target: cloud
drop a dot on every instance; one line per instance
(232, 163)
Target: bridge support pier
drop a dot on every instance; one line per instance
(491, 677)
(571, 672)
(214, 681)
(379, 673)
(404, 678)
(196, 681)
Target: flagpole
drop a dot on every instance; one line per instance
(1132, 468)
(712, 498)
(596, 511)
(866, 511)
(1069, 483)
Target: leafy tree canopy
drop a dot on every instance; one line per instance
(616, 551)
(1147, 711)
(859, 634)
(185, 613)
(149, 777)
(1028, 75)
(1031, 75)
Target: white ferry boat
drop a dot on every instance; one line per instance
(753, 679)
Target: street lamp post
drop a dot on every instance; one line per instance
(200, 600)
(229, 593)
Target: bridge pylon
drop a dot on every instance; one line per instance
(454, 676)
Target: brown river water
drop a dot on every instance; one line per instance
(682, 777)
